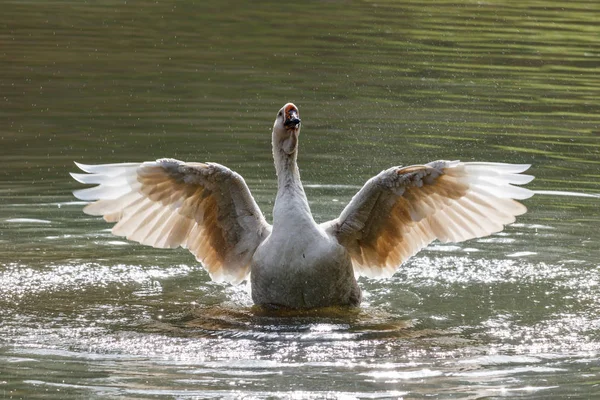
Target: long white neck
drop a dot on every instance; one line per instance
(291, 205)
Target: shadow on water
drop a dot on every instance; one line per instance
(319, 325)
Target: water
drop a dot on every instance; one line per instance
(88, 315)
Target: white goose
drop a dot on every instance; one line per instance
(297, 263)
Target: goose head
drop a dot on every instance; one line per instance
(286, 129)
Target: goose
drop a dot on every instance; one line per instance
(295, 262)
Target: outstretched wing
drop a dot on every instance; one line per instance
(402, 210)
(206, 208)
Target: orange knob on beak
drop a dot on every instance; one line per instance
(291, 117)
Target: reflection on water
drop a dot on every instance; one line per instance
(89, 315)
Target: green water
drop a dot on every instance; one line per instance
(84, 314)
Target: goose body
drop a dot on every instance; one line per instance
(296, 262)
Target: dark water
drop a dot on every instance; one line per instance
(88, 315)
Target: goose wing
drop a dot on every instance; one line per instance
(402, 210)
(206, 208)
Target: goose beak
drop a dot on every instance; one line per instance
(292, 121)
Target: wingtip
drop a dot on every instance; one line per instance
(519, 168)
(527, 195)
(524, 166)
(83, 167)
(78, 177)
(78, 194)
(526, 178)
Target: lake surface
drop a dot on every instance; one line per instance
(84, 314)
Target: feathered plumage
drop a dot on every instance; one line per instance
(208, 209)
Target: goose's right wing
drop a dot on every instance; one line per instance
(167, 203)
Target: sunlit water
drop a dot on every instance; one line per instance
(88, 315)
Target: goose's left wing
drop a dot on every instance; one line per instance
(402, 210)
(206, 208)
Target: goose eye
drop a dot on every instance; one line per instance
(280, 114)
